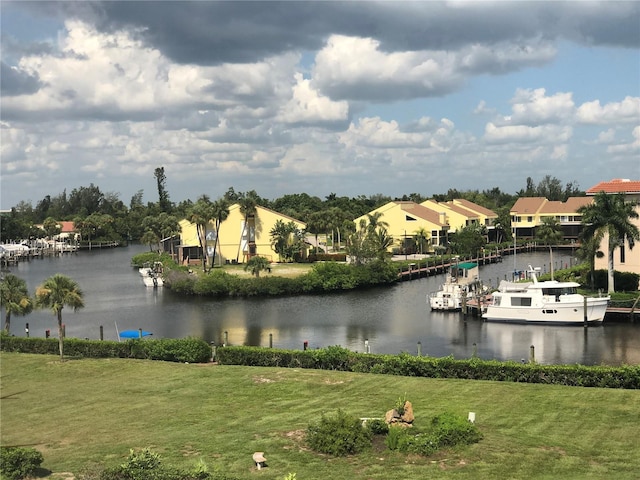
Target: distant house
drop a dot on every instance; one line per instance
(460, 213)
(625, 258)
(68, 232)
(528, 213)
(237, 241)
(405, 218)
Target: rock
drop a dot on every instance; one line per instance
(408, 416)
(392, 416)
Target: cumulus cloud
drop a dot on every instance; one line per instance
(309, 107)
(626, 111)
(534, 107)
(357, 68)
(526, 134)
(301, 91)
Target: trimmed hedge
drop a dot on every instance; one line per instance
(189, 350)
(338, 358)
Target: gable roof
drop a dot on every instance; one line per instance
(469, 214)
(617, 185)
(528, 205)
(474, 207)
(570, 206)
(421, 211)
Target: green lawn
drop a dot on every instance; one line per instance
(83, 411)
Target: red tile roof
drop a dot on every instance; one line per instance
(66, 227)
(617, 185)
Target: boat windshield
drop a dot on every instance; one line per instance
(560, 291)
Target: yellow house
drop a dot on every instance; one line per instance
(455, 216)
(486, 217)
(237, 241)
(405, 218)
(528, 212)
(625, 259)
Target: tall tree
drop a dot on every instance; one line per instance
(248, 208)
(14, 298)
(589, 250)
(55, 293)
(421, 236)
(200, 214)
(550, 233)
(610, 215)
(220, 214)
(163, 196)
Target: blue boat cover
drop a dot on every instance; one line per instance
(134, 334)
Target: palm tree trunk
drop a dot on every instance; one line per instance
(60, 337)
(551, 258)
(610, 281)
(7, 321)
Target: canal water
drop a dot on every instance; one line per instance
(384, 320)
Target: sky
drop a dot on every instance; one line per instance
(352, 98)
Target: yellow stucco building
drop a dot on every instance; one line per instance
(237, 241)
(405, 218)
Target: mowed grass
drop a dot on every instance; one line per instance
(80, 412)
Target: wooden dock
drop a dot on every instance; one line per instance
(421, 268)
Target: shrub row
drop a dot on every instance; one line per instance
(148, 465)
(338, 358)
(323, 277)
(445, 430)
(190, 350)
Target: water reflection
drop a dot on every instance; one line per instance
(392, 320)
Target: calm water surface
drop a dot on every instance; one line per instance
(392, 319)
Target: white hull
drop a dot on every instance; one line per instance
(462, 281)
(550, 302)
(153, 281)
(448, 299)
(558, 313)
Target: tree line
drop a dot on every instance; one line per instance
(103, 216)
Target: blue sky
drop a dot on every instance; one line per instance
(352, 98)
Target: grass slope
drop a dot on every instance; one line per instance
(83, 411)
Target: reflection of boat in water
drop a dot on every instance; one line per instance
(551, 302)
(152, 275)
(462, 281)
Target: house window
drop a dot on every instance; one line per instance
(622, 254)
(409, 219)
(434, 233)
(529, 219)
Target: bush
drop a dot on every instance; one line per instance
(449, 429)
(624, 281)
(339, 435)
(396, 436)
(378, 427)
(19, 462)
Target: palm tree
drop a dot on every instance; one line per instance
(589, 250)
(248, 208)
(257, 264)
(610, 215)
(150, 238)
(375, 222)
(550, 233)
(422, 235)
(15, 299)
(55, 293)
(200, 213)
(220, 214)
